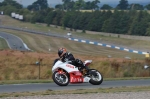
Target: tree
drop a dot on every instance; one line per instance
(42, 4)
(140, 24)
(94, 4)
(123, 25)
(66, 4)
(49, 18)
(123, 5)
(59, 6)
(1, 4)
(107, 27)
(117, 23)
(66, 1)
(23, 11)
(58, 18)
(71, 20)
(83, 20)
(9, 9)
(40, 16)
(136, 7)
(147, 7)
(12, 3)
(79, 4)
(71, 5)
(106, 7)
(38, 5)
(88, 5)
(33, 7)
(148, 32)
(95, 21)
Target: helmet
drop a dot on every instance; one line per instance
(61, 52)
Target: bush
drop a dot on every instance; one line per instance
(127, 74)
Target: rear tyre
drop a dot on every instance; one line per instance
(96, 77)
(61, 79)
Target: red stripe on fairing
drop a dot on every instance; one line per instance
(78, 73)
(76, 77)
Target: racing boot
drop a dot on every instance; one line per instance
(86, 70)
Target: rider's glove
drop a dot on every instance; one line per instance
(79, 61)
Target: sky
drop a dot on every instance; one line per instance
(111, 2)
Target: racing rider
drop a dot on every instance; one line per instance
(67, 56)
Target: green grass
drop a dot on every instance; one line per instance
(3, 44)
(42, 43)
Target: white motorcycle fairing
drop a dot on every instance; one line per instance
(66, 66)
(75, 75)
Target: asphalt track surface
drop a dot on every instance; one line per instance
(52, 86)
(13, 41)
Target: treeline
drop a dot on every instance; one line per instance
(130, 22)
(78, 5)
(121, 22)
(82, 5)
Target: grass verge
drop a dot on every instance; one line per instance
(3, 44)
(78, 91)
(24, 81)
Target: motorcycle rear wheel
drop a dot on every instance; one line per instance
(61, 79)
(95, 79)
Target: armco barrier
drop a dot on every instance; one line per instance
(105, 45)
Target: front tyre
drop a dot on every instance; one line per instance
(61, 79)
(96, 77)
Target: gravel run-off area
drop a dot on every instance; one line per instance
(117, 95)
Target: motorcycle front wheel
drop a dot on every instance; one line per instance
(61, 79)
(96, 77)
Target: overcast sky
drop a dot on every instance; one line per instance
(53, 2)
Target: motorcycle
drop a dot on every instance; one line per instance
(65, 73)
